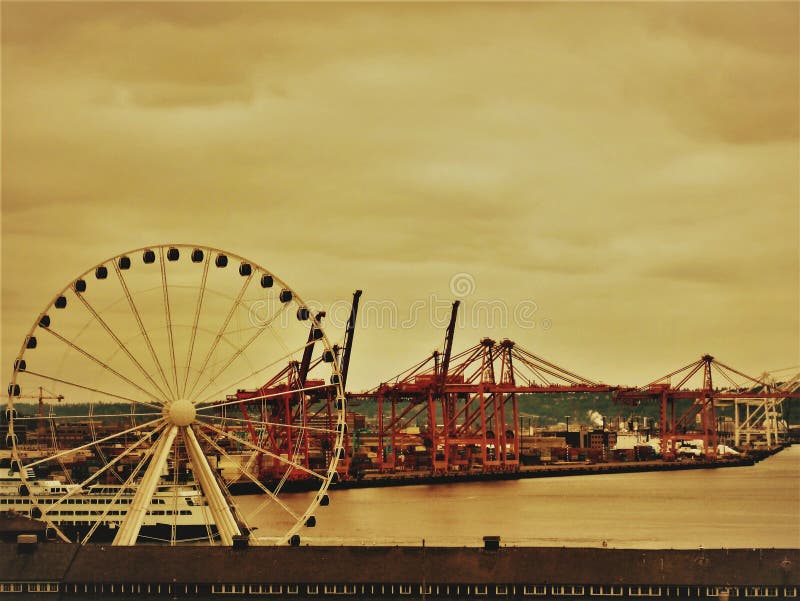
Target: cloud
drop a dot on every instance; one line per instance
(580, 155)
(740, 64)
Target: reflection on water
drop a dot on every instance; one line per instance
(756, 506)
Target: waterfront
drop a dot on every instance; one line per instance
(743, 507)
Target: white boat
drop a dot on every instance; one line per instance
(177, 511)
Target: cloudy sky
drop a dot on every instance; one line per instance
(613, 186)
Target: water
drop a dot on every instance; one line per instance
(757, 506)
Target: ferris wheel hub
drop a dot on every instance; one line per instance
(181, 412)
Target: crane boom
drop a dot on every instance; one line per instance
(305, 364)
(448, 342)
(348, 338)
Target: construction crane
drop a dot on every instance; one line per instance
(41, 397)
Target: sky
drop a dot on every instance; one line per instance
(614, 186)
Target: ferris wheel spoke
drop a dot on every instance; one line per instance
(129, 530)
(173, 530)
(142, 329)
(93, 431)
(53, 526)
(258, 449)
(168, 318)
(272, 395)
(97, 448)
(223, 518)
(234, 508)
(127, 485)
(90, 389)
(206, 518)
(33, 418)
(248, 475)
(100, 471)
(119, 342)
(261, 369)
(78, 490)
(121, 456)
(240, 350)
(23, 476)
(297, 444)
(221, 331)
(198, 307)
(275, 424)
(54, 442)
(99, 362)
(87, 445)
(242, 330)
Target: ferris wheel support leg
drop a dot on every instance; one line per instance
(129, 530)
(223, 518)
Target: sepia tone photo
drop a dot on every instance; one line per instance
(400, 300)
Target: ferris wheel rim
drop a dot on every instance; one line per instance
(330, 472)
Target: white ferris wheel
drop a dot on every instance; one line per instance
(166, 377)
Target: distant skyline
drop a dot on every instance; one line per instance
(616, 187)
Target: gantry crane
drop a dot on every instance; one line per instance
(690, 413)
(291, 409)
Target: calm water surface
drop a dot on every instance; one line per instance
(756, 506)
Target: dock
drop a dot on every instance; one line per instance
(63, 571)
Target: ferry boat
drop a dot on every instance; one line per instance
(177, 511)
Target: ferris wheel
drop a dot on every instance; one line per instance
(165, 377)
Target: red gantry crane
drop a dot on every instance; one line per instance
(456, 413)
(290, 410)
(689, 413)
